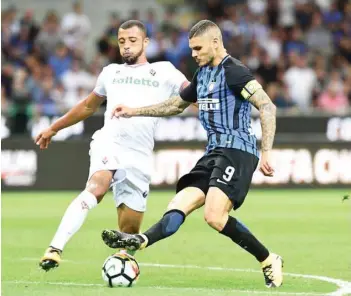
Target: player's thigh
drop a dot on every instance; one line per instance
(99, 183)
(191, 189)
(104, 167)
(187, 200)
(129, 220)
(233, 174)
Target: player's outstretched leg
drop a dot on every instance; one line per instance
(75, 216)
(186, 201)
(216, 214)
(168, 225)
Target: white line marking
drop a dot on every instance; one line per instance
(164, 288)
(344, 287)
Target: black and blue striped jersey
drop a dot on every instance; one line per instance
(224, 110)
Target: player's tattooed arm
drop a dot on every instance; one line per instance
(172, 106)
(267, 116)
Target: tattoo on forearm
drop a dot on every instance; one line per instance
(172, 106)
(267, 116)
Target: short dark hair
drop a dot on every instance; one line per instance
(201, 27)
(133, 23)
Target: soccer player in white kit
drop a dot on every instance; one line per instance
(121, 151)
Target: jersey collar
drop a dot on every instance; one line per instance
(136, 65)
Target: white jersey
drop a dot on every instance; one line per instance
(135, 86)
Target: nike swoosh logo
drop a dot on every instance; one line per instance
(220, 181)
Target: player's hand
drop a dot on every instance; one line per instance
(122, 111)
(44, 138)
(266, 164)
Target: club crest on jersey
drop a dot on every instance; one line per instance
(104, 160)
(152, 72)
(208, 104)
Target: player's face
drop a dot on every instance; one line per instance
(202, 50)
(132, 43)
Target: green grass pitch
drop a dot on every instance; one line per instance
(309, 228)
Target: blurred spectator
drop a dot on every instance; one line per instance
(272, 11)
(267, 69)
(300, 80)
(112, 28)
(12, 19)
(75, 27)
(296, 43)
(4, 101)
(21, 103)
(258, 29)
(72, 80)
(33, 84)
(29, 22)
(61, 61)
(257, 7)
(214, 9)
(150, 23)
(318, 38)
(155, 49)
(333, 99)
(254, 60)
(50, 35)
(303, 13)
(21, 46)
(45, 103)
(7, 73)
(273, 46)
(332, 16)
(134, 15)
(277, 96)
(108, 44)
(168, 24)
(178, 47)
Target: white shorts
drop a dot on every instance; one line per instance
(129, 185)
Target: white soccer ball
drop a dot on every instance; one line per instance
(120, 270)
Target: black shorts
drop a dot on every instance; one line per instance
(229, 169)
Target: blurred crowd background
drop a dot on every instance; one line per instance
(299, 50)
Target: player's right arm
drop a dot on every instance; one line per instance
(81, 111)
(173, 106)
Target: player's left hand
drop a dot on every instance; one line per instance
(122, 111)
(266, 167)
(44, 138)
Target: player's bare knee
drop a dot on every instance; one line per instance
(214, 219)
(98, 189)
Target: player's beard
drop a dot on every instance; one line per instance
(132, 59)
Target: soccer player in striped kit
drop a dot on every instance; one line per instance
(224, 89)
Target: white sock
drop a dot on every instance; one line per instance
(73, 218)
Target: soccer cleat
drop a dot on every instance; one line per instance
(272, 269)
(51, 259)
(116, 239)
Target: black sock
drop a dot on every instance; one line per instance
(167, 226)
(239, 234)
